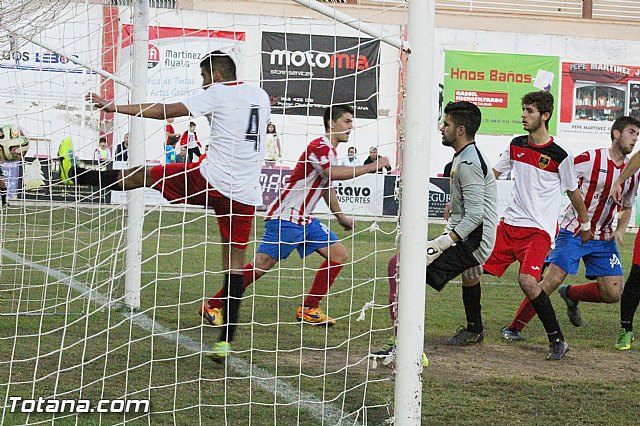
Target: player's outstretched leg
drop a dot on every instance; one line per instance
(388, 350)
(547, 315)
(74, 172)
(557, 345)
(211, 310)
(310, 312)
(524, 315)
(233, 296)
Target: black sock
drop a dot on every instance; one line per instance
(234, 290)
(471, 299)
(630, 298)
(544, 309)
(101, 178)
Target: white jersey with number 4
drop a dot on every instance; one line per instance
(238, 114)
(596, 174)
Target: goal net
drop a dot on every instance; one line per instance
(72, 349)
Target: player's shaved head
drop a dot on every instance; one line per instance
(221, 62)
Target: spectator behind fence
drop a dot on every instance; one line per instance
(122, 150)
(102, 154)
(182, 156)
(373, 157)
(273, 150)
(352, 158)
(190, 139)
(170, 150)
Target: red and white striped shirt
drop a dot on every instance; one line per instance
(306, 184)
(596, 174)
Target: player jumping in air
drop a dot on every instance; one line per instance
(227, 181)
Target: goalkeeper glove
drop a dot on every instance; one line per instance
(436, 246)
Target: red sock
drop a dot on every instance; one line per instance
(585, 293)
(324, 279)
(525, 313)
(392, 269)
(247, 280)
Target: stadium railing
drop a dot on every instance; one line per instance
(624, 10)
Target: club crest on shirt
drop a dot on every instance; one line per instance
(544, 161)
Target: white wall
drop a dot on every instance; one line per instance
(296, 131)
(569, 49)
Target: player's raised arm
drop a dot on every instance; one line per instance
(632, 166)
(348, 172)
(147, 110)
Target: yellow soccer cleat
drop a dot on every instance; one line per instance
(213, 315)
(425, 360)
(314, 316)
(68, 162)
(220, 351)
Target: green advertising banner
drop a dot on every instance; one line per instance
(496, 83)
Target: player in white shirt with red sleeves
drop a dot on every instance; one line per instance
(597, 170)
(226, 181)
(289, 221)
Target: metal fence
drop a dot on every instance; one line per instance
(601, 9)
(628, 10)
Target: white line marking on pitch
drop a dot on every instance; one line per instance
(325, 412)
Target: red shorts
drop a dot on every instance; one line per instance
(636, 251)
(183, 183)
(529, 246)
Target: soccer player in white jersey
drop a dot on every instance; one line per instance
(290, 224)
(543, 170)
(631, 294)
(227, 181)
(597, 170)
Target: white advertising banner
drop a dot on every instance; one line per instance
(362, 196)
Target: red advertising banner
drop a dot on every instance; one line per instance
(483, 99)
